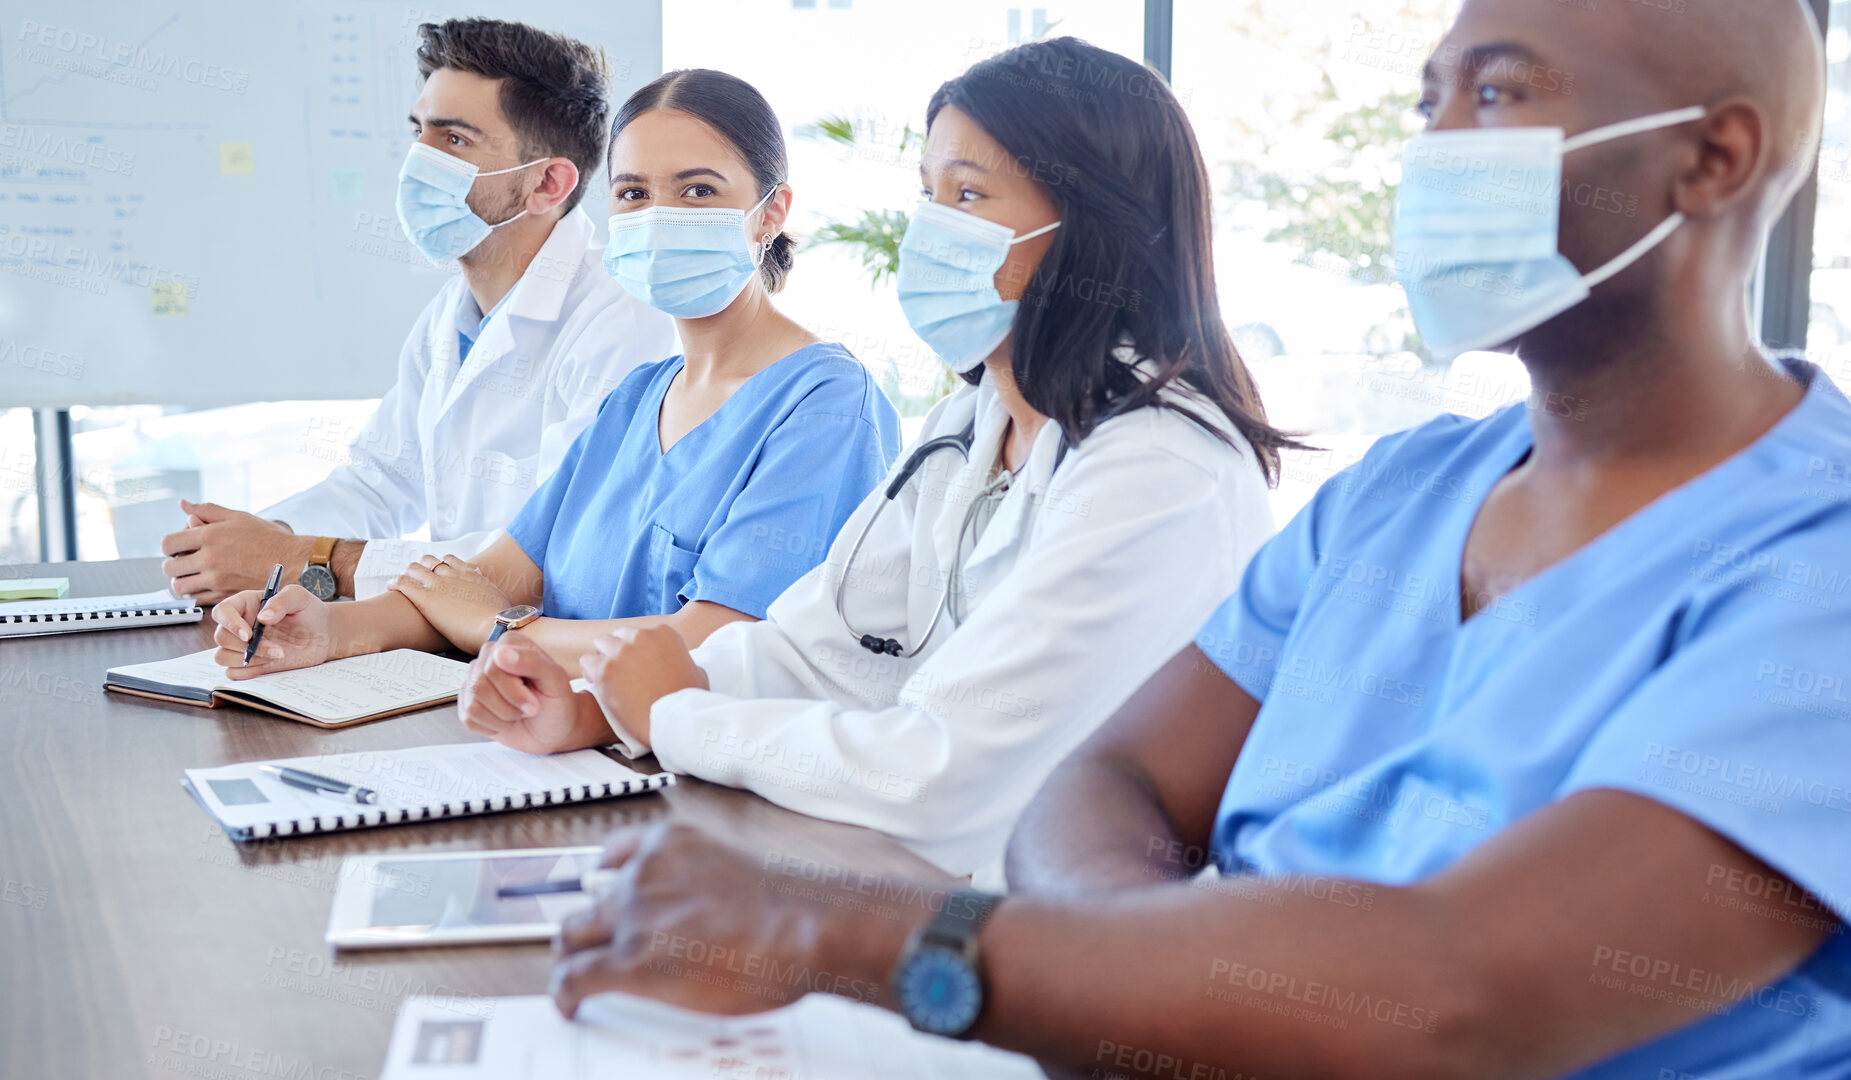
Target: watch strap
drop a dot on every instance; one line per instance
(505, 622)
(959, 921)
(322, 552)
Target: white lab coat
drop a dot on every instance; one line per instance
(1077, 593)
(461, 447)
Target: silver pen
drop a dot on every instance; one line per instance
(309, 781)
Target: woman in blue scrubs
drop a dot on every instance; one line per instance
(708, 482)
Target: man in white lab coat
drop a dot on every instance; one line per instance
(510, 124)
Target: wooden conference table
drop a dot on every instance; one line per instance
(137, 939)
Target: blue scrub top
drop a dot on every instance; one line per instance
(470, 323)
(1698, 654)
(740, 508)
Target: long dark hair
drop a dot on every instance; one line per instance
(1131, 264)
(742, 116)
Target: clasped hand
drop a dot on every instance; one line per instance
(455, 597)
(518, 695)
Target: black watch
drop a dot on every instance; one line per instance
(938, 982)
(512, 619)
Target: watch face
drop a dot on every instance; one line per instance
(516, 614)
(319, 581)
(939, 992)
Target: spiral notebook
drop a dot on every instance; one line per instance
(425, 783)
(158, 608)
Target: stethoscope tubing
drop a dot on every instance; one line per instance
(961, 442)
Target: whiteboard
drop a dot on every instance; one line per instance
(196, 196)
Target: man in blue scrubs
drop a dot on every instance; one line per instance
(1524, 751)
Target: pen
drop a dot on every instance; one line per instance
(309, 781)
(257, 628)
(593, 881)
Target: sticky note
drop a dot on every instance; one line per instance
(169, 298)
(235, 159)
(349, 183)
(34, 588)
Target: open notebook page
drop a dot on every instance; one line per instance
(336, 691)
(468, 777)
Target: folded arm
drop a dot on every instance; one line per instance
(460, 600)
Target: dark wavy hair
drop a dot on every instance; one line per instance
(552, 87)
(742, 116)
(1131, 264)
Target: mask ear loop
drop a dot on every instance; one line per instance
(1620, 263)
(1633, 127)
(1044, 230)
(517, 168)
(502, 172)
(1633, 254)
(764, 246)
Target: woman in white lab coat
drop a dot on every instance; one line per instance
(981, 613)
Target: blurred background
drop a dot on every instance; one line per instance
(1301, 107)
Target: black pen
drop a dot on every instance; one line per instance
(309, 781)
(594, 881)
(257, 628)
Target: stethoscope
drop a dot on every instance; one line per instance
(991, 494)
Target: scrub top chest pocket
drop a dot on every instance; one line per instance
(671, 569)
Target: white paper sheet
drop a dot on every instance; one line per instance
(618, 1037)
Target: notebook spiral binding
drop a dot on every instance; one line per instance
(365, 820)
(92, 616)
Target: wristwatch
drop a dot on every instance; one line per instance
(512, 619)
(937, 981)
(318, 577)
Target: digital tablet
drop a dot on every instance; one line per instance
(459, 897)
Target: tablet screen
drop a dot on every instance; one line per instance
(459, 896)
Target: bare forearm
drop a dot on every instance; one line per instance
(344, 562)
(380, 623)
(1240, 979)
(1501, 965)
(1135, 804)
(568, 639)
(1096, 825)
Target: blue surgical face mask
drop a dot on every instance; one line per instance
(433, 202)
(948, 264)
(1478, 226)
(687, 262)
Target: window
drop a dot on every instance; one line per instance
(131, 464)
(19, 509)
(1828, 332)
(1037, 24)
